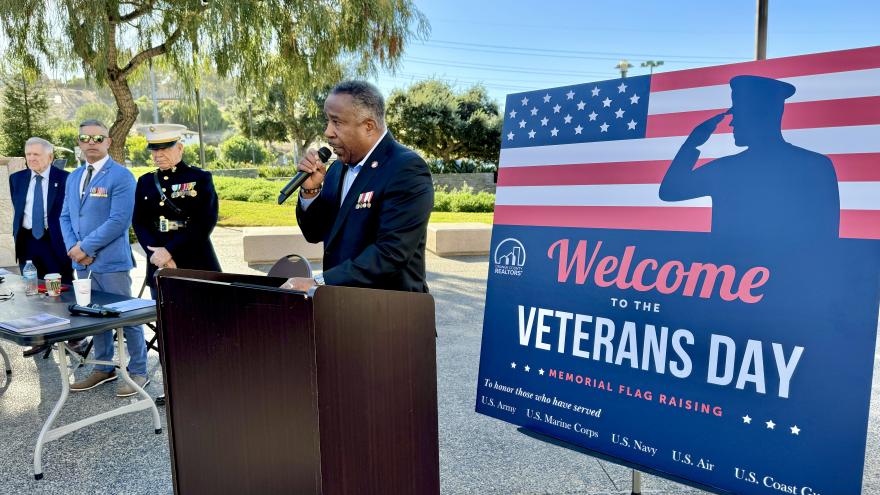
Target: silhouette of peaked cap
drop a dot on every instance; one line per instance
(763, 90)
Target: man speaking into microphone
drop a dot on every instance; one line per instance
(371, 207)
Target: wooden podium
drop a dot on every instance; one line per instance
(270, 391)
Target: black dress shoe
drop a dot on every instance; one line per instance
(34, 350)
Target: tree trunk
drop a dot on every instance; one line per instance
(126, 115)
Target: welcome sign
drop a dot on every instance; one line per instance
(685, 270)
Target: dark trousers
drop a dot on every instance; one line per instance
(44, 256)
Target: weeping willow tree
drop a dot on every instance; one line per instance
(305, 43)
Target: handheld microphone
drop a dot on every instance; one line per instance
(300, 177)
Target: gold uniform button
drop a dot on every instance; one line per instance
(164, 190)
(165, 177)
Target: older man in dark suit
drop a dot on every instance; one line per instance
(371, 208)
(37, 197)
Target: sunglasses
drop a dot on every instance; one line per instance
(97, 138)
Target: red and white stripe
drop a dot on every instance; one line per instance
(614, 184)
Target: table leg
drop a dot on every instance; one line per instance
(6, 361)
(122, 352)
(61, 357)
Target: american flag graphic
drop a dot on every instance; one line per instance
(594, 155)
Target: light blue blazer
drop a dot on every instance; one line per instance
(100, 221)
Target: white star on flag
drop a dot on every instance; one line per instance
(581, 105)
(532, 134)
(527, 368)
(544, 121)
(604, 126)
(567, 119)
(557, 108)
(631, 125)
(513, 114)
(569, 95)
(621, 88)
(747, 419)
(634, 99)
(619, 113)
(593, 115)
(547, 98)
(578, 129)
(554, 132)
(534, 111)
(525, 101)
(770, 424)
(606, 102)
(510, 136)
(795, 430)
(513, 365)
(522, 124)
(541, 371)
(595, 91)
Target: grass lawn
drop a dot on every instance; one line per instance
(245, 214)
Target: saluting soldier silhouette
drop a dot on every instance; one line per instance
(773, 190)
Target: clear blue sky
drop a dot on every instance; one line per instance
(522, 45)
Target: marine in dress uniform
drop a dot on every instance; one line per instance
(175, 207)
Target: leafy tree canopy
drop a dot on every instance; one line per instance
(444, 124)
(25, 108)
(303, 40)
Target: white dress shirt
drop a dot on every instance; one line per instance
(27, 222)
(97, 166)
(349, 177)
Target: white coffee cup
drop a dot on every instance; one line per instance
(83, 289)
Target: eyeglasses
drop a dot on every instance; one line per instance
(97, 138)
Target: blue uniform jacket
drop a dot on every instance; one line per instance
(100, 221)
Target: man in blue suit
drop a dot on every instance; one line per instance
(37, 198)
(371, 208)
(98, 205)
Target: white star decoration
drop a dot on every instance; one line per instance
(525, 101)
(593, 115)
(513, 114)
(510, 136)
(527, 368)
(604, 126)
(554, 132)
(581, 105)
(606, 102)
(532, 134)
(569, 95)
(513, 365)
(621, 88)
(770, 424)
(578, 129)
(557, 108)
(547, 98)
(595, 91)
(534, 111)
(747, 419)
(619, 113)
(567, 119)
(631, 125)
(522, 124)
(634, 99)
(544, 121)
(795, 430)
(541, 371)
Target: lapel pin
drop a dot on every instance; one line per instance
(374, 164)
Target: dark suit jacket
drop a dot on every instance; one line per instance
(18, 188)
(381, 245)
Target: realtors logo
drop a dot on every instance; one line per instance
(510, 257)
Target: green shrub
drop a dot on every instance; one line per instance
(253, 190)
(464, 200)
(285, 171)
(241, 149)
(137, 152)
(191, 154)
(65, 136)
